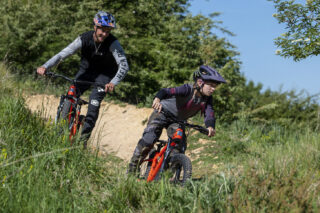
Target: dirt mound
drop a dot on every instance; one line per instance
(117, 130)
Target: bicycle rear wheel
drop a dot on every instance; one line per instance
(181, 169)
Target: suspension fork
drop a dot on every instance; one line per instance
(62, 97)
(74, 126)
(166, 155)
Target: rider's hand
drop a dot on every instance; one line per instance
(109, 87)
(157, 105)
(212, 131)
(41, 70)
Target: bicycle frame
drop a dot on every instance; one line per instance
(73, 118)
(160, 159)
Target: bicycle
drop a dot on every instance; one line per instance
(69, 108)
(169, 155)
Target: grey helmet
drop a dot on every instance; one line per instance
(207, 73)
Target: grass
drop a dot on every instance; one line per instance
(244, 168)
(274, 169)
(40, 171)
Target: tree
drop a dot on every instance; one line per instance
(302, 21)
(163, 42)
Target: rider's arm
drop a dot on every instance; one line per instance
(209, 118)
(121, 60)
(69, 50)
(183, 90)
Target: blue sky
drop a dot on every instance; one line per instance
(256, 29)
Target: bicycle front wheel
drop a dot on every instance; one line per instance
(181, 169)
(65, 111)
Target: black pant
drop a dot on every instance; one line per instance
(152, 132)
(96, 96)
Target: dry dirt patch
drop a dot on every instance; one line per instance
(117, 130)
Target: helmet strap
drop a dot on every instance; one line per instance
(201, 82)
(95, 32)
(96, 37)
(198, 87)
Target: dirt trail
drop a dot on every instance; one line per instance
(117, 130)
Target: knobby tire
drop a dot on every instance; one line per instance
(65, 111)
(181, 168)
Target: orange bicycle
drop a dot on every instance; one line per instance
(170, 156)
(69, 108)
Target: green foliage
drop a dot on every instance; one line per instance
(34, 31)
(163, 42)
(280, 171)
(302, 23)
(165, 45)
(272, 168)
(284, 108)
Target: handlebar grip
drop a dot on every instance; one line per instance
(204, 131)
(201, 129)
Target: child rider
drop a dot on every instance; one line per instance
(182, 102)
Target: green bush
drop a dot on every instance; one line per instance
(163, 42)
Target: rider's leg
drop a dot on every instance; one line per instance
(140, 152)
(95, 99)
(151, 133)
(96, 96)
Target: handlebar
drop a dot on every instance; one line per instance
(73, 81)
(184, 122)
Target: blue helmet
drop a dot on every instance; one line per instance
(104, 19)
(207, 73)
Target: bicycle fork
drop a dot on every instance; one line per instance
(59, 108)
(74, 123)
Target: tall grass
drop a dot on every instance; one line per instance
(273, 168)
(41, 172)
(257, 169)
(280, 171)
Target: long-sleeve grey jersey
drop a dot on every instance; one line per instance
(115, 49)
